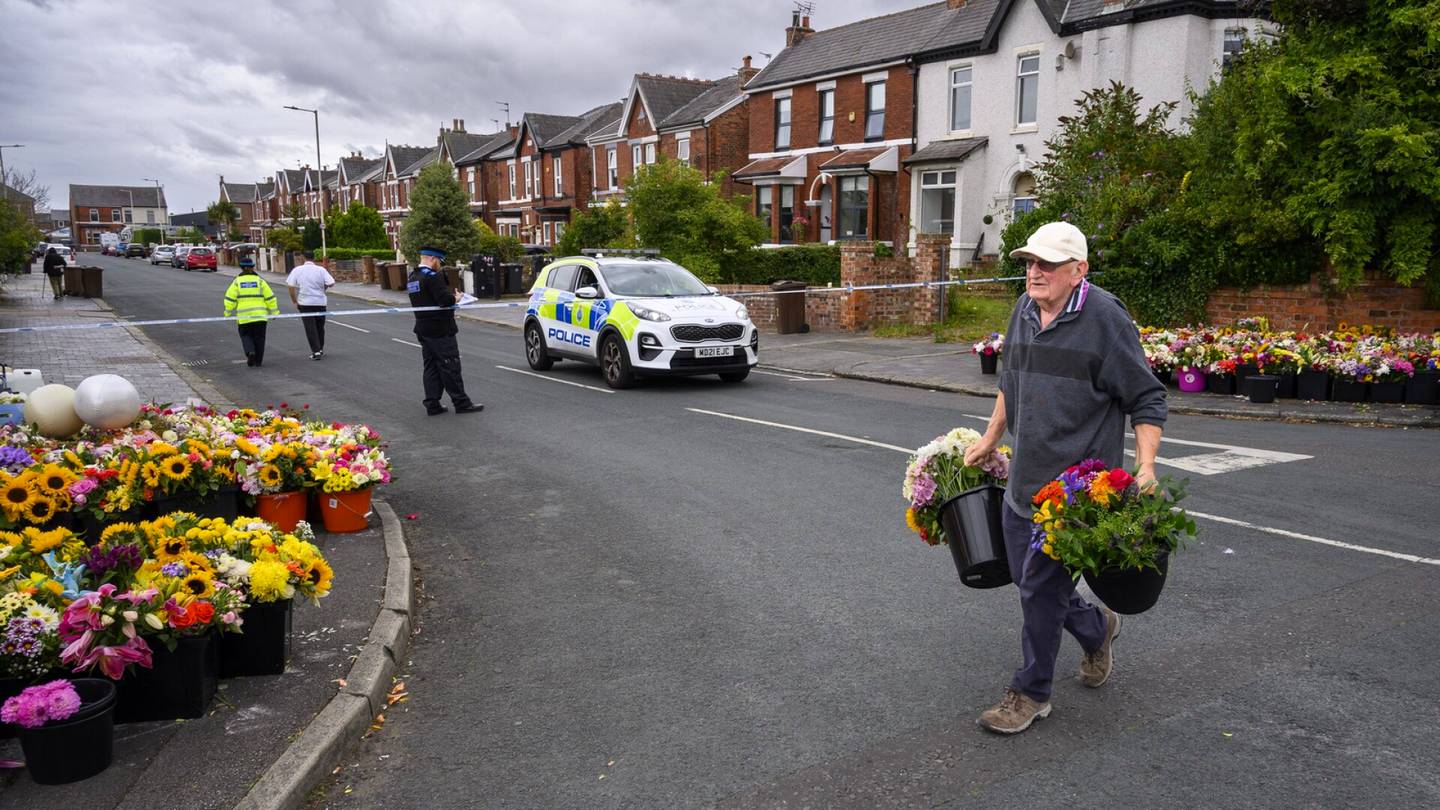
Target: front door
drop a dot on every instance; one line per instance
(825, 209)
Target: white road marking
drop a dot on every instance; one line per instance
(794, 377)
(348, 326)
(827, 434)
(554, 380)
(1233, 459)
(407, 343)
(1313, 539)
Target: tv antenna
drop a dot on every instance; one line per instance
(807, 9)
(504, 105)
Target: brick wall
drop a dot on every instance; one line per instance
(1376, 300)
(822, 310)
(726, 145)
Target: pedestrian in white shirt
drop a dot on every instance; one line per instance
(308, 284)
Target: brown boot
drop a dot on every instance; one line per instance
(1095, 668)
(1014, 714)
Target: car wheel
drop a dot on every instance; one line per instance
(615, 363)
(735, 376)
(535, 352)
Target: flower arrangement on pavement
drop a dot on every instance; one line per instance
(994, 344)
(1359, 354)
(45, 703)
(938, 472)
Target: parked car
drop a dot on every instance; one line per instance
(179, 258)
(201, 258)
(136, 250)
(162, 254)
(39, 250)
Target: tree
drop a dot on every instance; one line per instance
(606, 226)
(147, 236)
(294, 211)
(439, 216)
(18, 236)
(1326, 142)
(223, 213)
(507, 247)
(672, 208)
(360, 227)
(30, 186)
(284, 238)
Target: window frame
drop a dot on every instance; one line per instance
(650, 153)
(557, 174)
(863, 210)
(529, 178)
(765, 206)
(511, 165)
(824, 138)
(782, 123)
(612, 160)
(873, 113)
(969, 85)
(637, 155)
(682, 147)
(1021, 76)
(94, 214)
(573, 269)
(938, 184)
(785, 213)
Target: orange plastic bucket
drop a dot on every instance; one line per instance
(284, 509)
(345, 511)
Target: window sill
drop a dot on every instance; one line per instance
(1025, 129)
(957, 134)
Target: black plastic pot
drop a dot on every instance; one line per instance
(1163, 375)
(264, 643)
(1387, 392)
(1313, 385)
(223, 503)
(976, 536)
(1220, 384)
(180, 684)
(1348, 391)
(1243, 370)
(1261, 388)
(1131, 590)
(1287, 387)
(989, 363)
(1423, 388)
(79, 746)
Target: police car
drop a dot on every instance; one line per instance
(636, 314)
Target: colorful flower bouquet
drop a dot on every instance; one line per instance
(937, 472)
(994, 344)
(1098, 523)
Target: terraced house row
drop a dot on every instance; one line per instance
(925, 121)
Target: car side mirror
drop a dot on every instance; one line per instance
(713, 290)
(587, 292)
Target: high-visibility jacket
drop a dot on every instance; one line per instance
(249, 299)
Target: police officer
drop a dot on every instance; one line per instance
(251, 302)
(436, 332)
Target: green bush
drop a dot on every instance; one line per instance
(283, 238)
(604, 226)
(146, 236)
(439, 216)
(508, 248)
(17, 238)
(343, 254)
(359, 227)
(816, 265)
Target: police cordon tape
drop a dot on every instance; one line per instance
(848, 288)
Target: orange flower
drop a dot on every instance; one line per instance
(1052, 492)
(1101, 490)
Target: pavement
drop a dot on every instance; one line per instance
(923, 363)
(266, 740)
(695, 594)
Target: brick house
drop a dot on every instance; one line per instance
(318, 192)
(466, 152)
(996, 76)
(546, 173)
(478, 174)
(402, 164)
(289, 191)
(265, 210)
(359, 181)
(831, 123)
(242, 196)
(712, 131)
(616, 152)
(98, 209)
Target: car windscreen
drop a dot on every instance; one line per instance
(652, 279)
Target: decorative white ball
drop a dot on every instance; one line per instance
(51, 408)
(107, 401)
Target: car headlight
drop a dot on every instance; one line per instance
(647, 313)
(742, 313)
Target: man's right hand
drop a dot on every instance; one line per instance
(979, 450)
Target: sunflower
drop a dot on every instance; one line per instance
(169, 548)
(41, 542)
(52, 480)
(116, 529)
(39, 510)
(319, 577)
(198, 585)
(16, 495)
(150, 473)
(175, 467)
(270, 476)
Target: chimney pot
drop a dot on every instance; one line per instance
(955, 3)
(805, 21)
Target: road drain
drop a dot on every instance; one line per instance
(194, 363)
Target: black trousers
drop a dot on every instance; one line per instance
(442, 370)
(252, 338)
(314, 327)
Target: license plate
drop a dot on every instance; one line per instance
(715, 351)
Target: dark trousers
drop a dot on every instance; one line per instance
(56, 285)
(442, 370)
(252, 338)
(314, 327)
(1049, 604)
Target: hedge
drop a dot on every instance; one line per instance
(816, 265)
(342, 254)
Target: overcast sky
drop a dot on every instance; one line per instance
(112, 91)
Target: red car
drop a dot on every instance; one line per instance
(200, 258)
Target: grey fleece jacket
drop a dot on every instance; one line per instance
(1068, 387)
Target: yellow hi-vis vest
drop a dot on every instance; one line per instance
(249, 299)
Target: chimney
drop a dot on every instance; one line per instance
(746, 71)
(954, 4)
(799, 29)
(461, 126)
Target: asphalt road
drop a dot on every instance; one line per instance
(633, 600)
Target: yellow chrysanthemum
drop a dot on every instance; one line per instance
(270, 581)
(175, 467)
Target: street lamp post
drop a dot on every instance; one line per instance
(163, 225)
(5, 178)
(319, 172)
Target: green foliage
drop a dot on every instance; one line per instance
(223, 213)
(190, 236)
(359, 227)
(816, 265)
(1130, 534)
(1325, 143)
(883, 251)
(310, 235)
(284, 238)
(147, 236)
(606, 226)
(672, 208)
(508, 248)
(17, 238)
(344, 253)
(439, 216)
(294, 211)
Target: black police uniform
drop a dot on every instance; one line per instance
(436, 331)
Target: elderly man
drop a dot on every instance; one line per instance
(1074, 368)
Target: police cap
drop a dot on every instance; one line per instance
(428, 250)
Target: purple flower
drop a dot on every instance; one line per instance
(14, 459)
(175, 569)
